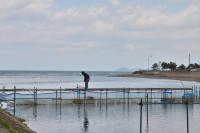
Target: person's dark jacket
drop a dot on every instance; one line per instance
(86, 76)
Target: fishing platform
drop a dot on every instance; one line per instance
(96, 95)
(60, 96)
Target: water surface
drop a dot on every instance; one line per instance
(111, 118)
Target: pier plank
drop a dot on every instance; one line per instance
(96, 89)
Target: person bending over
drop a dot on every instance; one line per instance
(86, 78)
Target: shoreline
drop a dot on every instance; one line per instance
(171, 75)
(14, 123)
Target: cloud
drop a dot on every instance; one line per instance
(130, 47)
(115, 2)
(19, 8)
(103, 27)
(142, 17)
(79, 13)
(125, 28)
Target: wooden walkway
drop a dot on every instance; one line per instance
(95, 89)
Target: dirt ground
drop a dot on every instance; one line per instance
(3, 129)
(175, 75)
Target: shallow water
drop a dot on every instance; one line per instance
(111, 118)
(70, 79)
(96, 118)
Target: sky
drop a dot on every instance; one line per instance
(97, 35)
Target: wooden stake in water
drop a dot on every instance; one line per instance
(128, 96)
(124, 96)
(36, 96)
(106, 100)
(60, 101)
(151, 95)
(199, 93)
(147, 110)
(141, 104)
(56, 99)
(106, 95)
(100, 96)
(187, 118)
(60, 97)
(14, 98)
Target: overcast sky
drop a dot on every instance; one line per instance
(97, 34)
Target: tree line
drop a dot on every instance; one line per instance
(173, 66)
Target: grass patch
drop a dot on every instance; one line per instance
(7, 125)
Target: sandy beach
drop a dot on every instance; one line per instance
(174, 75)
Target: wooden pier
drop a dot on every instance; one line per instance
(59, 96)
(96, 89)
(126, 94)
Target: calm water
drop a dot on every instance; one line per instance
(70, 79)
(113, 118)
(94, 118)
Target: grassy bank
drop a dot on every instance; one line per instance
(175, 75)
(6, 125)
(13, 124)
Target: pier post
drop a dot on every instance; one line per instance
(193, 91)
(187, 117)
(100, 96)
(60, 101)
(171, 93)
(199, 93)
(36, 96)
(14, 98)
(60, 96)
(106, 95)
(141, 104)
(124, 96)
(151, 95)
(34, 104)
(196, 93)
(56, 99)
(77, 90)
(147, 110)
(78, 93)
(128, 96)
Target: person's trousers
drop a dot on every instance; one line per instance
(86, 85)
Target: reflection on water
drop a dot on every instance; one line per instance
(86, 122)
(110, 118)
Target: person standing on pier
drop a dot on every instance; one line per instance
(86, 78)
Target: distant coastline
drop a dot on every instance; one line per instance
(174, 75)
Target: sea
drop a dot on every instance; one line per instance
(72, 79)
(100, 118)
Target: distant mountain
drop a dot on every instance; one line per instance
(125, 69)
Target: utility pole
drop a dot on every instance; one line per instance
(189, 61)
(148, 61)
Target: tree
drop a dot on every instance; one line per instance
(172, 66)
(164, 65)
(155, 66)
(196, 66)
(193, 66)
(182, 67)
